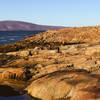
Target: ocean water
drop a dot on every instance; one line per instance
(21, 97)
(7, 37)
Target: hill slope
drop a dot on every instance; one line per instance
(18, 25)
(69, 35)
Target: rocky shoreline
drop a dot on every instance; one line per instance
(54, 65)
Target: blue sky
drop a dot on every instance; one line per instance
(52, 12)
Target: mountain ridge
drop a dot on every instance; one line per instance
(21, 26)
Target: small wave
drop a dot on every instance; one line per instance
(12, 39)
(3, 40)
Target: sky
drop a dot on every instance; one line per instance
(52, 12)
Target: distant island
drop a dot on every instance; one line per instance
(12, 31)
(25, 26)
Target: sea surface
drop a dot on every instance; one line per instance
(7, 37)
(21, 97)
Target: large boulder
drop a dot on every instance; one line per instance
(14, 73)
(66, 86)
(23, 53)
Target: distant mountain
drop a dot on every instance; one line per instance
(24, 26)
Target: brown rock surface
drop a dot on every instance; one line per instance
(69, 35)
(14, 73)
(62, 65)
(63, 84)
(16, 78)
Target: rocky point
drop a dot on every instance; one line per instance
(54, 65)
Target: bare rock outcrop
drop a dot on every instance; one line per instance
(14, 73)
(62, 65)
(72, 35)
(66, 85)
(93, 50)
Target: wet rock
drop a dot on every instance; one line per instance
(8, 91)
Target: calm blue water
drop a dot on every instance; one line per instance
(13, 36)
(21, 97)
